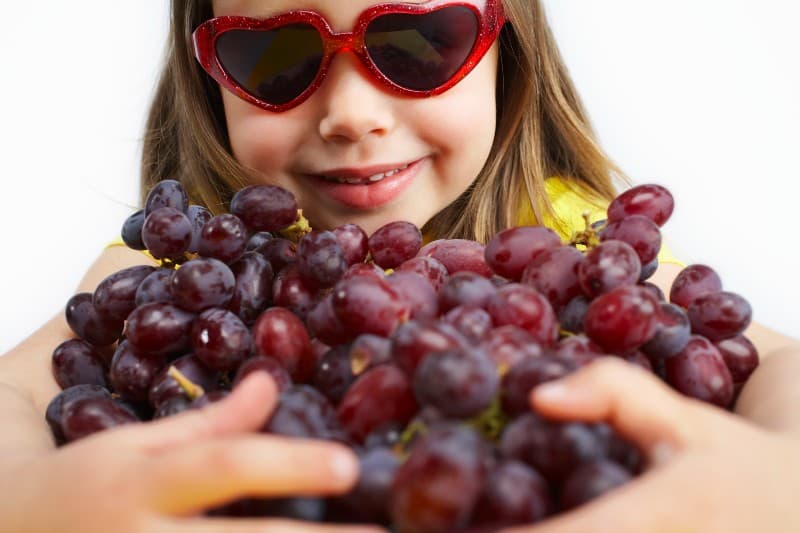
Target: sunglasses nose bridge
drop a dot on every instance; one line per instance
(342, 42)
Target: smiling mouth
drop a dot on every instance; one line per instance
(371, 179)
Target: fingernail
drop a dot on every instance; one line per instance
(552, 392)
(344, 465)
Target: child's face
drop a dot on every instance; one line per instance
(351, 122)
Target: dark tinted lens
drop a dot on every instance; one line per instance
(422, 52)
(275, 66)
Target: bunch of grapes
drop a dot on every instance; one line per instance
(421, 358)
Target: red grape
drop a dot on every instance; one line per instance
(394, 243)
(653, 201)
(511, 250)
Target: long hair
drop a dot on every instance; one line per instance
(542, 131)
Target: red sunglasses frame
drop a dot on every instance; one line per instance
(205, 36)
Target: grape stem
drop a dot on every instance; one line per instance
(299, 228)
(588, 237)
(192, 390)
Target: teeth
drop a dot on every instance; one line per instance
(371, 179)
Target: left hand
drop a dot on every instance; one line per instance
(710, 471)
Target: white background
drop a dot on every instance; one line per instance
(702, 96)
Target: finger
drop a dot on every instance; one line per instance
(245, 525)
(245, 409)
(633, 401)
(202, 475)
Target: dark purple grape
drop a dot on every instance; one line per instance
(155, 287)
(167, 233)
(554, 273)
(623, 319)
(224, 237)
(257, 240)
(202, 283)
(132, 231)
(166, 193)
(292, 290)
(265, 207)
(269, 365)
(220, 339)
(692, 282)
(591, 480)
(699, 371)
(368, 501)
(395, 243)
(171, 407)
(384, 436)
(527, 374)
(76, 362)
(279, 333)
(458, 255)
(198, 216)
(88, 324)
(433, 270)
(354, 243)
(324, 325)
(740, 355)
(132, 371)
(654, 289)
(514, 493)
(653, 201)
(252, 292)
(607, 266)
(414, 341)
(573, 315)
(672, 332)
(640, 232)
(334, 373)
(465, 288)
(513, 249)
(159, 328)
(55, 409)
(321, 258)
(164, 387)
(648, 270)
(523, 306)
(303, 412)
(209, 398)
(719, 315)
(578, 349)
(367, 351)
(86, 415)
(508, 345)
(437, 487)
(115, 296)
(459, 383)
(472, 322)
(381, 394)
(417, 292)
(279, 252)
(368, 305)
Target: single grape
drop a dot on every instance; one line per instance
(554, 273)
(607, 266)
(252, 291)
(171, 407)
(692, 282)
(434, 271)
(364, 269)
(459, 383)
(368, 305)
(414, 341)
(279, 333)
(465, 288)
(334, 373)
(167, 233)
(321, 258)
(699, 371)
(202, 283)
(84, 416)
(257, 240)
(719, 315)
(224, 237)
(394, 243)
(55, 409)
(640, 232)
(76, 362)
(578, 349)
(159, 328)
(384, 436)
(523, 306)
(457, 255)
(672, 332)
(164, 387)
(740, 355)
(132, 371)
(292, 290)
(419, 295)
(198, 216)
(367, 351)
(368, 501)
(209, 398)
(155, 287)
(472, 322)
(648, 270)
(654, 289)
(279, 252)
(527, 374)
(573, 315)
(623, 319)
(379, 395)
(653, 201)
(591, 480)
(115, 296)
(166, 193)
(220, 339)
(510, 251)
(323, 324)
(508, 345)
(267, 364)
(353, 240)
(514, 493)
(84, 319)
(303, 412)
(264, 207)
(132, 231)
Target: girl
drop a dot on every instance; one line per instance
(462, 152)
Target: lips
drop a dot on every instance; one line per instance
(355, 179)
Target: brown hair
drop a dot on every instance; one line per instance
(542, 131)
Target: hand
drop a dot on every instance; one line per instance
(160, 476)
(710, 471)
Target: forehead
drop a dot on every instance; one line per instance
(268, 8)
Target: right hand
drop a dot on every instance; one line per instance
(161, 476)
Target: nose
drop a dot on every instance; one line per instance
(354, 106)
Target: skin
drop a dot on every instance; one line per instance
(162, 475)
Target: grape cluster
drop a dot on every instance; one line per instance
(420, 357)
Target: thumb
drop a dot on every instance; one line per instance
(245, 409)
(644, 410)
